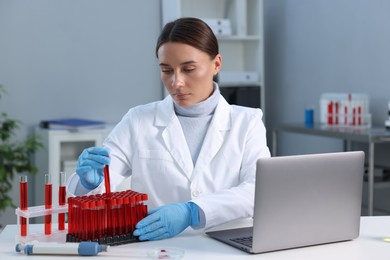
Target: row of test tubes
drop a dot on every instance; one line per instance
(338, 109)
(108, 218)
(23, 203)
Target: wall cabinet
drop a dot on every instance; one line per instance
(241, 46)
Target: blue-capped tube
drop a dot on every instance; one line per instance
(82, 248)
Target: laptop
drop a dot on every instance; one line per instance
(302, 200)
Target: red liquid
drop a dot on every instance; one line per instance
(48, 203)
(107, 179)
(61, 201)
(70, 216)
(330, 113)
(23, 206)
(105, 215)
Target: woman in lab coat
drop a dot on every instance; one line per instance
(192, 153)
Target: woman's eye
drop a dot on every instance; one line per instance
(188, 69)
(166, 70)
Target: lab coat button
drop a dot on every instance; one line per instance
(195, 193)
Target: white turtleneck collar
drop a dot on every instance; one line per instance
(201, 109)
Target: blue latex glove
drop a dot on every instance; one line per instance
(167, 221)
(90, 166)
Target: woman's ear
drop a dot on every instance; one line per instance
(217, 64)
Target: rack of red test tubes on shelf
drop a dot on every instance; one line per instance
(108, 218)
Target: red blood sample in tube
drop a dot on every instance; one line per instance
(121, 216)
(70, 216)
(126, 204)
(109, 216)
(61, 201)
(330, 113)
(23, 203)
(107, 179)
(48, 203)
(133, 216)
(102, 219)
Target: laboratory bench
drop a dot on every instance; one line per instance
(371, 244)
(369, 135)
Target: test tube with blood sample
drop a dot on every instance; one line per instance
(62, 200)
(23, 203)
(48, 203)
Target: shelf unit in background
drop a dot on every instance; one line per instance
(242, 51)
(62, 148)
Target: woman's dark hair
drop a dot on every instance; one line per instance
(191, 31)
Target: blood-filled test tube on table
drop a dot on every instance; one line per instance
(78, 217)
(141, 206)
(127, 219)
(330, 113)
(85, 220)
(120, 226)
(114, 217)
(62, 200)
(88, 224)
(92, 208)
(109, 216)
(102, 221)
(132, 214)
(145, 207)
(70, 216)
(23, 203)
(48, 203)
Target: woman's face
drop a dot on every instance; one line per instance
(187, 72)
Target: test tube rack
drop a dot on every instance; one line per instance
(345, 110)
(108, 218)
(104, 218)
(39, 211)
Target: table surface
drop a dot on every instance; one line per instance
(369, 245)
(368, 134)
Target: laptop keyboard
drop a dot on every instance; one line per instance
(246, 241)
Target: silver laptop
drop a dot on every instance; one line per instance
(302, 200)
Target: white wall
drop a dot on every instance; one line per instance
(85, 58)
(317, 46)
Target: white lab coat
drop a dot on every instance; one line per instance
(149, 144)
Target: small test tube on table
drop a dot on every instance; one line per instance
(48, 203)
(70, 216)
(62, 200)
(23, 203)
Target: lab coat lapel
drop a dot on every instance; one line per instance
(215, 134)
(173, 136)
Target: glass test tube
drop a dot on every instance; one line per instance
(23, 203)
(62, 200)
(48, 203)
(107, 179)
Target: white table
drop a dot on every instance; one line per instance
(369, 245)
